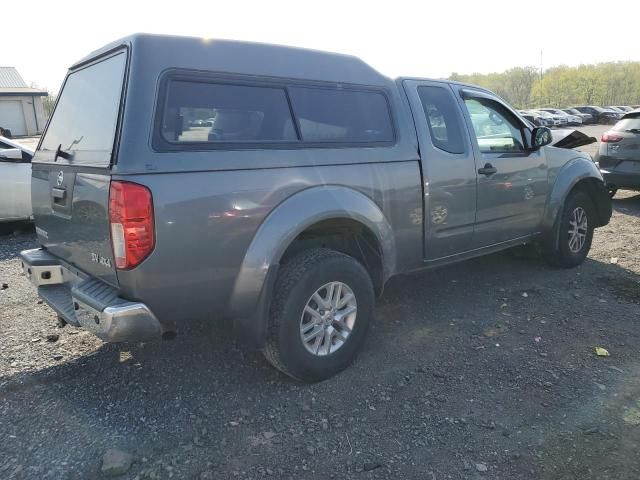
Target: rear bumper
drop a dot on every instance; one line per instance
(87, 302)
(621, 180)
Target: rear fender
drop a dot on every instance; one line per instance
(250, 300)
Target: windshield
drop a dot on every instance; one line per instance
(86, 115)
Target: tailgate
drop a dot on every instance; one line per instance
(71, 169)
(70, 207)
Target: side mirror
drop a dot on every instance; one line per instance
(11, 154)
(540, 136)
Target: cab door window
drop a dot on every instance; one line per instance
(496, 129)
(442, 118)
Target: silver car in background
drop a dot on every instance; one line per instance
(585, 117)
(622, 108)
(15, 181)
(557, 121)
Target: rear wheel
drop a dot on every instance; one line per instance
(575, 232)
(320, 314)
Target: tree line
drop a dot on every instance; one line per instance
(612, 83)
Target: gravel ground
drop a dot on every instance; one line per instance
(504, 384)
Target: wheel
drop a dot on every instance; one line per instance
(575, 231)
(320, 314)
(612, 190)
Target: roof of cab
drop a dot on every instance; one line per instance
(230, 56)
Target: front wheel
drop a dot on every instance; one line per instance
(575, 232)
(320, 314)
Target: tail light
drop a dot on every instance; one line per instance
(610, 138)
(131, 220)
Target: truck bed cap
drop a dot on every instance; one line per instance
(247, 58)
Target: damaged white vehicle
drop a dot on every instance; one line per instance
(15, 181)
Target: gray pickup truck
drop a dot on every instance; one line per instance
(182, 179)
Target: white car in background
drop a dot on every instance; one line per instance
(556, 122)
(571, 118)
(15, 181)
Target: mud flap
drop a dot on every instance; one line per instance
(602, 203)
(252, 330)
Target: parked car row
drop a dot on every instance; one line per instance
(604, 115)
(575, 116)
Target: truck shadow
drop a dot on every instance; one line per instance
(627, 203)
(467, 290)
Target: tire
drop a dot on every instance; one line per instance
(612, 191)
(301, 277)
(566, 254)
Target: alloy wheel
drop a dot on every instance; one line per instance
(328, 318)
(578, 227)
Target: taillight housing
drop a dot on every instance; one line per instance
(609, 137)
(131, 220)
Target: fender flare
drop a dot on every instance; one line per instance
(250, 298)
(570, 174)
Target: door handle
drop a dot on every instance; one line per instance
(488, 169)
(58, 193)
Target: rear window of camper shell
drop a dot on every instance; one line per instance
(213, 113)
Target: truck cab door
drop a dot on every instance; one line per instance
(512, 178)
(448, 168)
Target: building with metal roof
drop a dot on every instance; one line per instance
(21, 109)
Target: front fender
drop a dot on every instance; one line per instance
(283, 225)
(565, 179)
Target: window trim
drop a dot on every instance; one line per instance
(103, 56)
(481, 96)
(161, 144)
(459, 116)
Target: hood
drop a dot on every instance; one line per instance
(567, 138)
(14, 144)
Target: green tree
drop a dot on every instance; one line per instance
(612, 83)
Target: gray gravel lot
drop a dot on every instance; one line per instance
(485, 369)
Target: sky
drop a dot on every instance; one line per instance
(418, 38)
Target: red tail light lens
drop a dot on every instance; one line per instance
(131, 219)
(608, 137)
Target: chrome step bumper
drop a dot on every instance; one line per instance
(87, 302)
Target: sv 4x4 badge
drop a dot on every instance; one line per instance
(100, 259)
